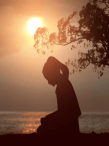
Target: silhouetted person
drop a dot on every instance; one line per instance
(65, 119)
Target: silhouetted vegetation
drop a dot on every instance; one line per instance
(87, 29)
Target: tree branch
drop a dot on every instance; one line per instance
(68, 42)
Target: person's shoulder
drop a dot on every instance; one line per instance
(64, 85)
(68, 83)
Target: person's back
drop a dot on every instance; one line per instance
(68, 106)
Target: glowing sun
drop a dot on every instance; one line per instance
(33, 24)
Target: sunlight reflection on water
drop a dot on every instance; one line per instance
(20, 123)
(28, 122)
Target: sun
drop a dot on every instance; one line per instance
(33, 24)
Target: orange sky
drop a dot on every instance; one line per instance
(22, 85)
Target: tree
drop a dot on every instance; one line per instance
(89, 27)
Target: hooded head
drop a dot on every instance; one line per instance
(52, 71)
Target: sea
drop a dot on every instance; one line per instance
(28, 122)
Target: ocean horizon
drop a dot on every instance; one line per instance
(28, 122)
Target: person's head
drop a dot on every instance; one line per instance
(52, 71)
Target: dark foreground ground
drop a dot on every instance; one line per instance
(83, 139)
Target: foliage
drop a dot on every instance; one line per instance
(90, 27)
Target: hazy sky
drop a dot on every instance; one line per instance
(22, 85)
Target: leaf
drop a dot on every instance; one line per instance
(43, 52)
(38, 51)
(80, 41)
(73, 47)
